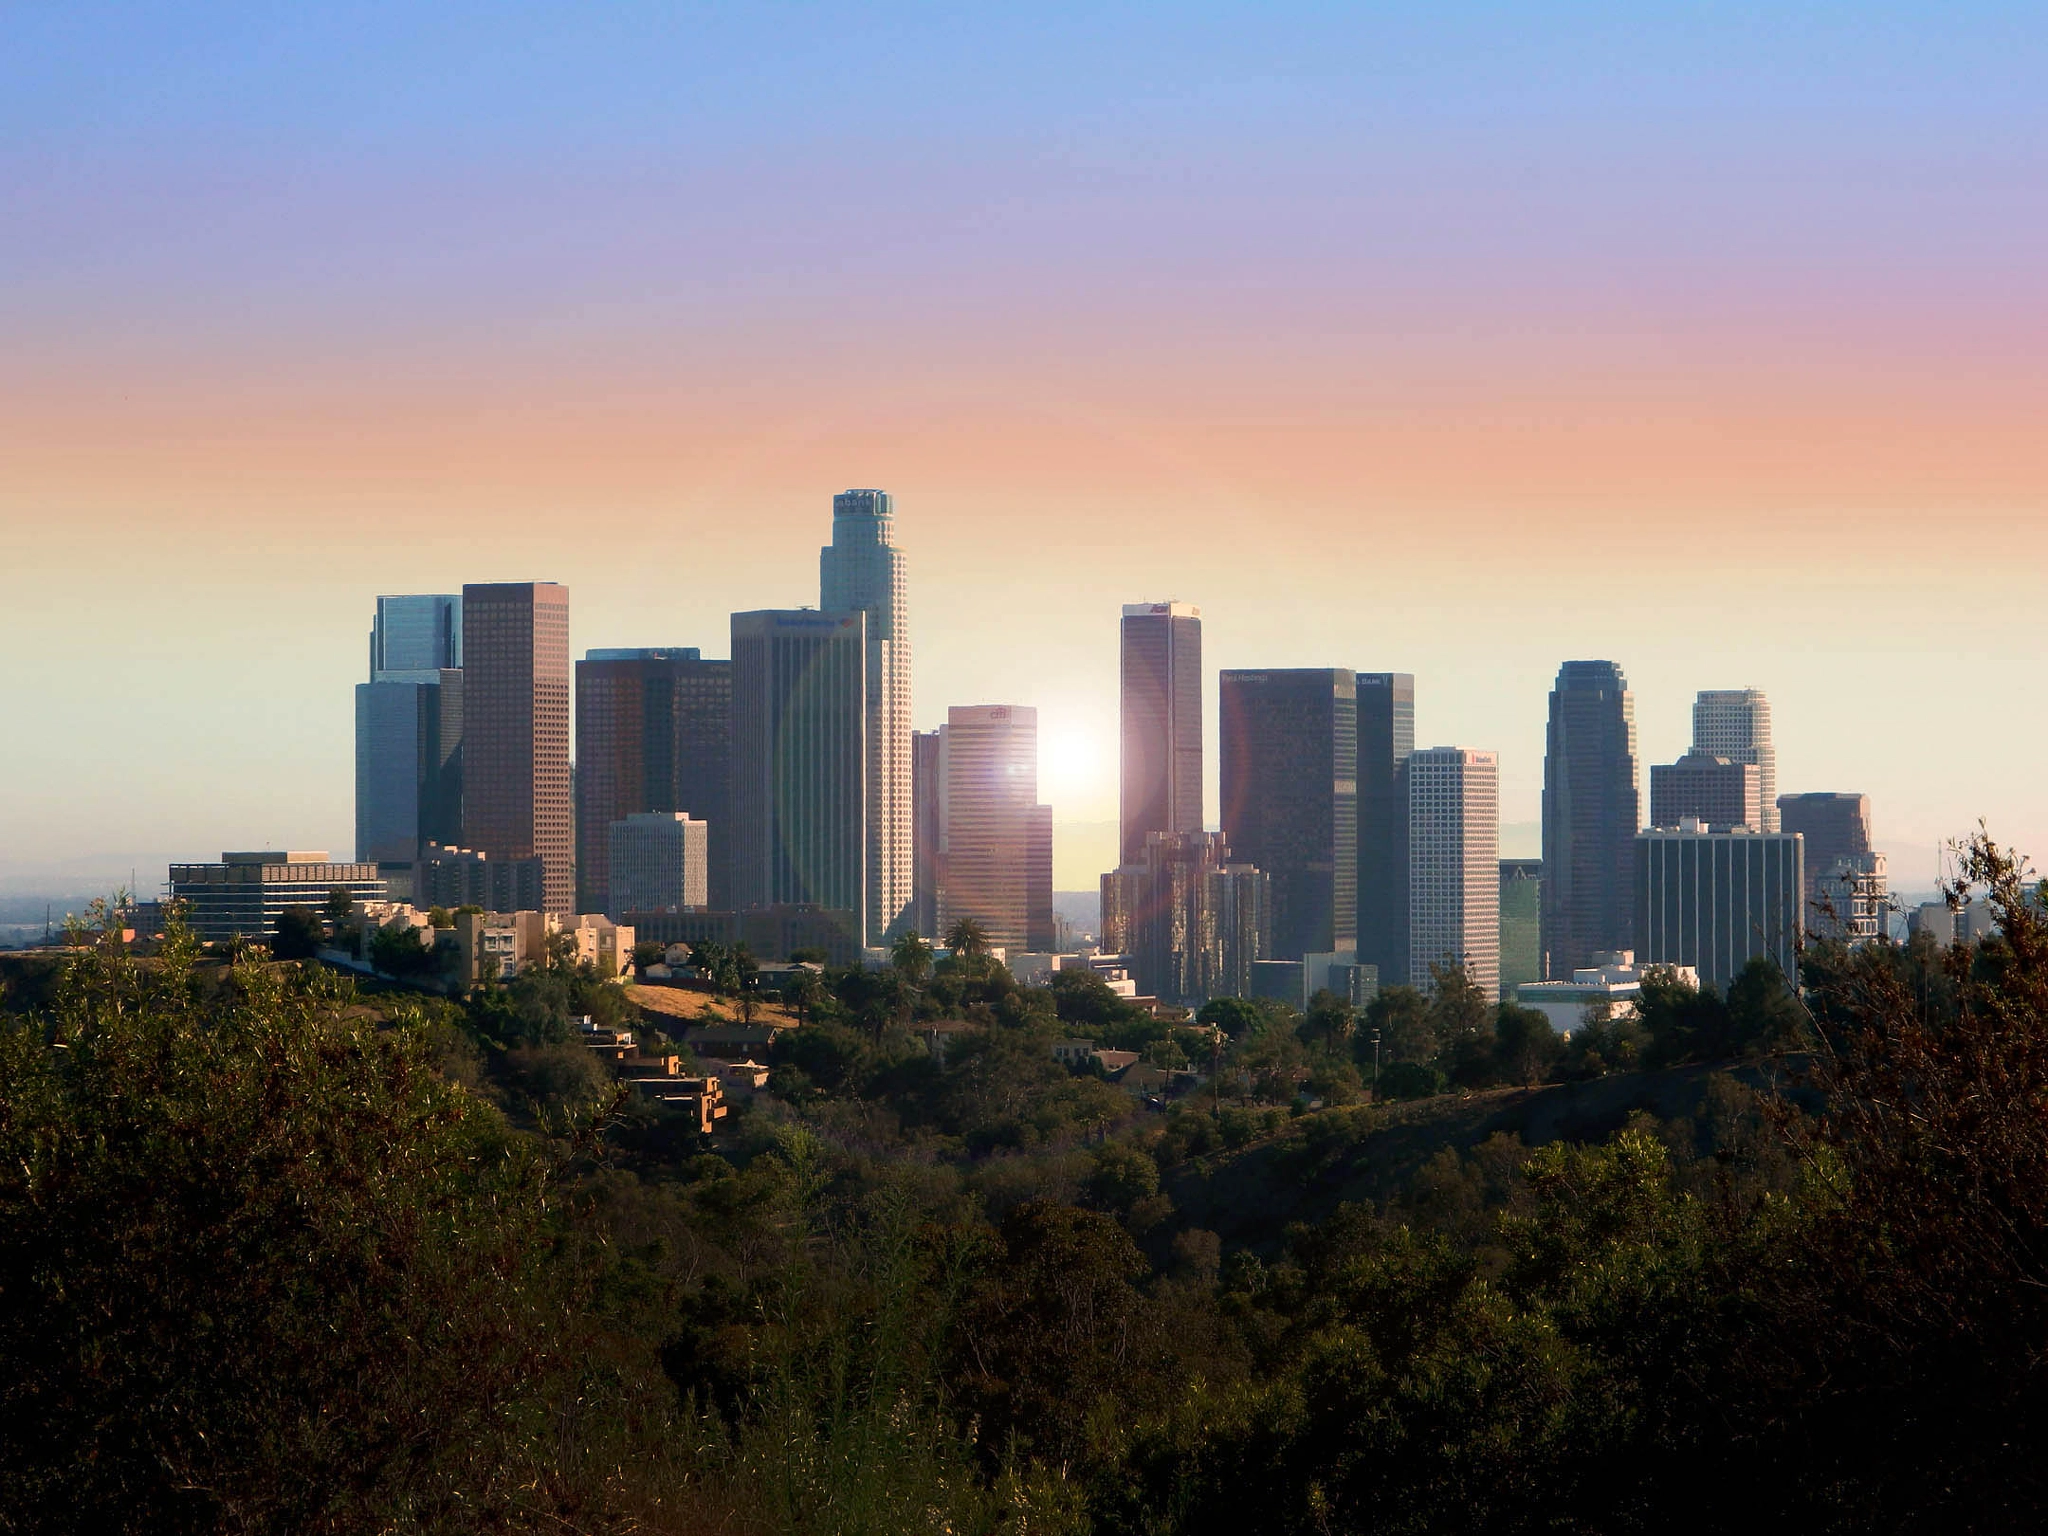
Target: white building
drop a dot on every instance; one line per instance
(1735, 723)
(1852, 899)
(1614, 979)
(659, 862)
(1454, 863)
(862, 570)
(995, 839)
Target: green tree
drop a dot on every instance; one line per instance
(338, 907)
(1525, 1047)
(1401, 1017)
(299, 934)
(1329, 1020)
(968, 938)
(912, 958)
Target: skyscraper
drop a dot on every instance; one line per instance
(1289, 741)
(1721, 793)
(1191, 921)
(653, 733)
(1386, 735)
(1161, 718)
(1592, 810)
(799, 761)
(409, 730)
(990, 825)
(924, 841)
(1715, 900)
(863, 571)
(1735, 723)
(1454, 863)
(516, 796)
(1838, 847)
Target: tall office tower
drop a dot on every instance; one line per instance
(656, 862)
(1592, 810)
(1715, 900)
(863, 571)
(1735, 723)
(990, 824)
(1183, 913)
(515, 756)
(1454, 863)
(1521, 923)
(653, 733)
(409, 730)
(1161, 709)
(1835, 826)
(924, 836)
(799, 762)
(1386, 735)
(1290, 798)
(1721, 793)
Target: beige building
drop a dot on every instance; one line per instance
(1454, 863)
(658, 861)
(995, 839)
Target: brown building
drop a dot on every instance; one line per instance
(516, 794)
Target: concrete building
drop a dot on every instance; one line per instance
(1454, 863)
(1735, 723)
(466, 877)
(1592, 809)
(924, 841)
(1715, 900)
(1521, 923)
(1289, 747)
(653, 733)
(1715, 790)
(409, 730)
(516, 794)
(799, 787)
(1611, 985)
(657, 861)
(771, 934)
(995, 839)
(862, 571)
(1851, 900)
(1190, 921)
(1160, 718)
(1386, 735)
(1836, 828)
(243, 894)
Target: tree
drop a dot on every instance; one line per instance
(912, 958)
(1329, 1019)
(299, 934)
(402, 954)
(968, 938)
(1525, 1047)
(338, 907)
(1400, 1016)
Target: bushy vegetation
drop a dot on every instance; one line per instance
(278, 1256)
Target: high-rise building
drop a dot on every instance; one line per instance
(409, 730)
(799, 761)
(1715, 900)
(516, 799)
(1836, 828)
(924, 840)
(1735, 723)
(1721, 793)
(1191, 921)
(653, 733)
(1592, 810)
(245, 893)
(1161, 721)
(1454, 863)
(1289, 742)
(863, 571)
(1386, 735)
(990, 825)
(1521, 923)
(656, 862)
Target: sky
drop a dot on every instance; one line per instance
(1454, 339)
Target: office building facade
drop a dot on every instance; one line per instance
(1592, 810)
(409, 729)
(863, 571)
(1723, 794)
(656, 861)
(1851, 899)
(653, 733)
(1386, 735)
(924, 840)
(1836, 828)
(1735, 723)
(1289, 747)
(1521, 923)
(244, 894)
(450, 876)
(991, 865)
(799, 763)
(1191, 921)
(1454, 864)
(1160, 723)
(517, 801)
(1716, 900)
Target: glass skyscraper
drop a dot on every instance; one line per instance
(1592, 810)
(1160, 710)
(1386, 736)
(409, 718)
(516, 795)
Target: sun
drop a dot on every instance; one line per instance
(1075, 765)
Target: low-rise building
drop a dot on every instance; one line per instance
(1613, 983)
(244, 894)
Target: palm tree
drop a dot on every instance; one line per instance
(912, 958)
(968, 938)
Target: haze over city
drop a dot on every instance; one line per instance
(1460, 343)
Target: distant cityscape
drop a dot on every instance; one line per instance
(781, 798)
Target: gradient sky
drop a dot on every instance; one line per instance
(1454, 339)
